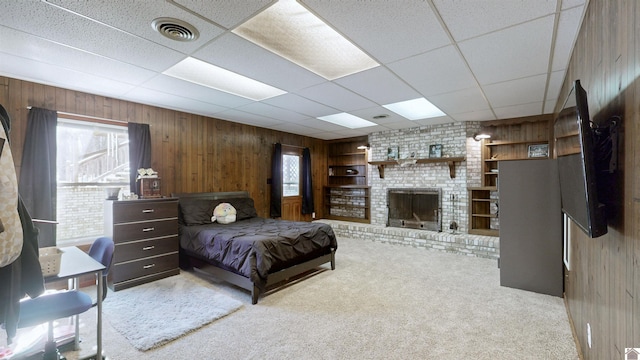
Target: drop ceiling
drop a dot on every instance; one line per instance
(476, 60)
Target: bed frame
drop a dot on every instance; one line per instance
(243, 282)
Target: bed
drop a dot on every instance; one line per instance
(253, 253)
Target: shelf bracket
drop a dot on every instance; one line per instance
(452, 169)
(381, 170)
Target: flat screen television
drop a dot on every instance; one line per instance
(579, 152)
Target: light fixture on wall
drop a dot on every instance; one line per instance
(481, 136)
(364, 147)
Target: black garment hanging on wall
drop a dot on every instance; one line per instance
(307, 186)
(276, 182)
(38, 172)
(139, 152)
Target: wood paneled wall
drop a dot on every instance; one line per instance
(602, 287)
(191, 153)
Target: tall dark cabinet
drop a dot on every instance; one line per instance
(530, 226)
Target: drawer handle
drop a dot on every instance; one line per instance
(148, 229)
(148, 248)
(148, 266)
(146, 211)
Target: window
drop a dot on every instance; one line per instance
(91, 157)
(290, 175)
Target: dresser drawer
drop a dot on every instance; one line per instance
(144, 248)
(144, 230)
(140, 210)
(144, 267)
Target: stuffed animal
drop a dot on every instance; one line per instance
(224, 213)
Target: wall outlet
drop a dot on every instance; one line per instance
(589, 335)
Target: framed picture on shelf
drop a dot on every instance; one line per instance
(392, 153)
(435, 151)
(539, 150)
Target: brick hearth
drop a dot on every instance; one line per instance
(459, 243)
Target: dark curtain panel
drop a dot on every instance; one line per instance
(276, 181)
(307, 186)
(139, 152)
(37, 184)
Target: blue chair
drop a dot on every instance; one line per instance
(51, 306)
(102, 251)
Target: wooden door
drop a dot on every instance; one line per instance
(292, 184)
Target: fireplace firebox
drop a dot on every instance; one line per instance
(415, 208)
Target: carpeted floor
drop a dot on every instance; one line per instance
(382, 302)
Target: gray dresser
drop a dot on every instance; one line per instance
(145, 233)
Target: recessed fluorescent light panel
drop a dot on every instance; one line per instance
(347, 120)
(205, 74)
(288, 29)
(415, 109)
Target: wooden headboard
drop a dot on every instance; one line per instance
(213, 195)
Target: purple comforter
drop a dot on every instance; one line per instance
(257, 246)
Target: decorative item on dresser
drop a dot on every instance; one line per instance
(145, 233)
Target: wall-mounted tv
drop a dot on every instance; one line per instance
(579, 151)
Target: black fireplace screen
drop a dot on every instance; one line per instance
(415, 208)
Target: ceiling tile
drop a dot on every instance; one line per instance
(370, 113)
(380, 27)
(519, 110)
(53, 53)
(171, 101)
(436, 72)
(328, 136)
(403, 124)
(135, 17)
(549, 106)
(568, 27)
(271, 111)
(468, 19)
(462, 101)
(183, 88)
(247, 118)
(39, 72)
(512, 53)
(236, 54)
(379, 85)
(516, 92)
(481, 115)
(226, 13)
(320, 124)
(571, 3)
(555, 84)
(76, 31)
(296, 129)
(335, 96)
(434, 121)
(299, 104)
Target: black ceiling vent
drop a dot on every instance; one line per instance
(175, 29)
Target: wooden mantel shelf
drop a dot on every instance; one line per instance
(449, 160)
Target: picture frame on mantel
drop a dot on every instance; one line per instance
(435, 151)
(393, 153)
(539, 151)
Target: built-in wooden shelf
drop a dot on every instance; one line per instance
(346, 194)
(481, 203)
(449, 160)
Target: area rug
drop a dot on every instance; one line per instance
(155, 313)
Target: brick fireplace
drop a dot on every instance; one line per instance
(456, 140)
(415, 208)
